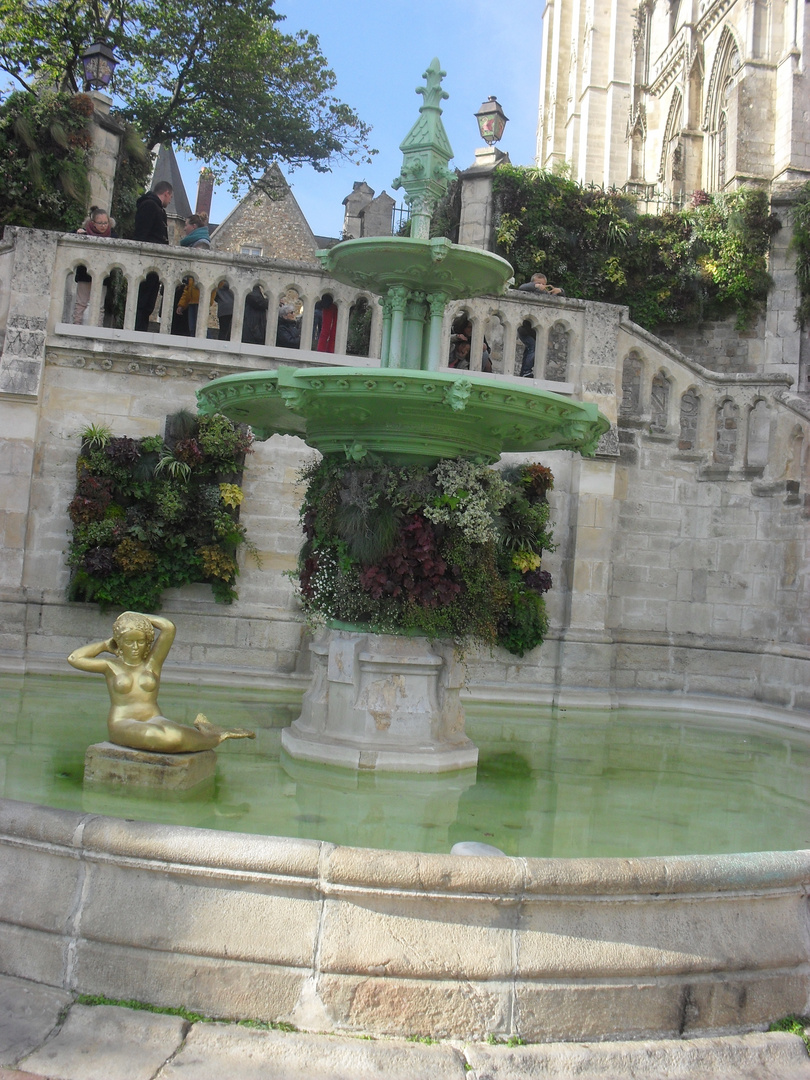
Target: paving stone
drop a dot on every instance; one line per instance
(106, 1042)
(776, 1056)
(215, 1051)
(28, 1014)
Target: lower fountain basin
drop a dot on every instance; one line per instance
(353, 939)
(405, 416)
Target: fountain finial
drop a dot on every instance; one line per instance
(426, 151)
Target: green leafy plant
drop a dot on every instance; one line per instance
(794, 1025)
(800, 244)
(449, 551)
(45, 142)
(150, 515)
(706, 261)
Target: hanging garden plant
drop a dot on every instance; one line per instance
(152, 514)
(451, 551)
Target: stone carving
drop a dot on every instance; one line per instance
(631, 384)
(690, 408)
(659, 403)
(139, 646)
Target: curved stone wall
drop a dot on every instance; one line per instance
(349, 939)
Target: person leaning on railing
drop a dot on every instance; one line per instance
(98, 225)
(196, 236)
(151, 227)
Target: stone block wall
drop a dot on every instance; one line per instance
(682, 558)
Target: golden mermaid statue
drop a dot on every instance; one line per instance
(139, 645)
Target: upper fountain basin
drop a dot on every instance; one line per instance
(379, 263)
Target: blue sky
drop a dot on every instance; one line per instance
(378, 51)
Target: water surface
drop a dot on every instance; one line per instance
(563, 783)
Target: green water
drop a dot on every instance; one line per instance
(560, 783)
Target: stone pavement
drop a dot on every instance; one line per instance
(45, 1035)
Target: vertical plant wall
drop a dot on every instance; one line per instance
(151, 514)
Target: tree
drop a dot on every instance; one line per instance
(218, 79)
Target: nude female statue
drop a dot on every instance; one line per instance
(133, 681)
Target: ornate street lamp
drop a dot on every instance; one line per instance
(491, 121)
(99, 64)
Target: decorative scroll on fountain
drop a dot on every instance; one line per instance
(389, 701)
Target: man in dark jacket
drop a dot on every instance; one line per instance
(151, 227)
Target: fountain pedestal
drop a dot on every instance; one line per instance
(382, 701)
(108, 763)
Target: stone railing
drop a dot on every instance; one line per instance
(582, 348)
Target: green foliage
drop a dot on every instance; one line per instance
(800, 243)
(706, 261)
(44, 144)
(148, 516)
(180, 1010)
(219, 80)
(452, 551)
(44, 163)
(794, 1025)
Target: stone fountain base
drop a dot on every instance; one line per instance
(382, 701)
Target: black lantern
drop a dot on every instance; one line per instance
(491, 121)
(99, 64)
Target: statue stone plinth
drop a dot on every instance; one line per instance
(382, 701)
(107, 763)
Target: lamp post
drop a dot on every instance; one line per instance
(99, 63)
(491, 121)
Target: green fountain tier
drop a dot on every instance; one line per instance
(380, 263)
(404, 416)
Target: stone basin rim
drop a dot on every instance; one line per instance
(97, 836)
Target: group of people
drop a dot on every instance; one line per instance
(152, 227)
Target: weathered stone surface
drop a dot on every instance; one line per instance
(101, 1041)
(749, 1057)
(106, 763)
(28, 1014)
(212, 1052)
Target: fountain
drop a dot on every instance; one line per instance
(382, 701)
(350, 939)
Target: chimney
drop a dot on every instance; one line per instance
(205, 191)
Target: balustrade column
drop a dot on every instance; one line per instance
(238, 312)
(477, 344)
(307, 324)
(166, 301)
(509, 347)
(203, 309)
(132, 302)
(437, 303)
(94, 313)
(342, 328)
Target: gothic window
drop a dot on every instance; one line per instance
(557, 353)
(690, 410)
(631, 384)
(722, 150)
(659, 403)
(721, 111)
(725, 446)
